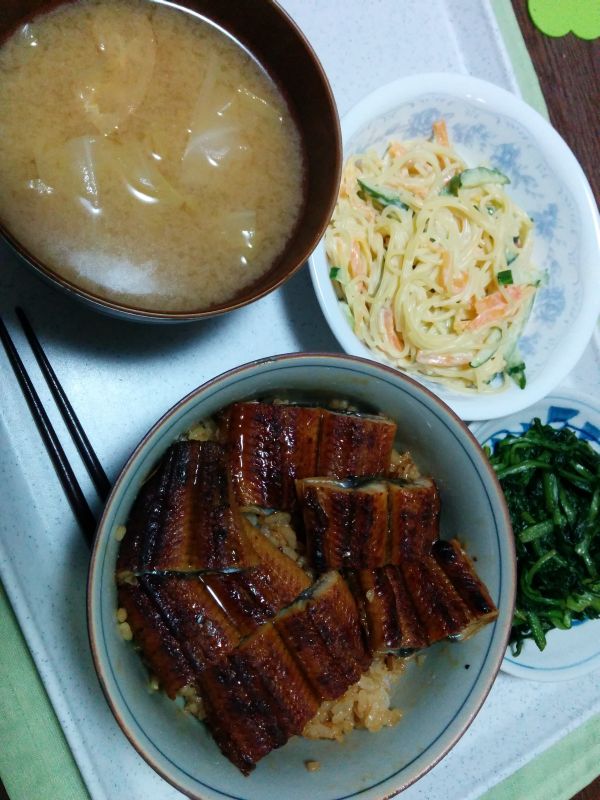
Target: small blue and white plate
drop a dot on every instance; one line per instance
(568, 654)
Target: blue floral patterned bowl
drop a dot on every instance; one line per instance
(490, 126)
(575, 652)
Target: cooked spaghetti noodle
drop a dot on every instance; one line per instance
(431, 261)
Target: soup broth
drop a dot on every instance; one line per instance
(144, 155)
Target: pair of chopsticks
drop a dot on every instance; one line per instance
(63, 469)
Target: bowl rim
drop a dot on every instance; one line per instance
(103, 532)
(548, 140)
(137, 313)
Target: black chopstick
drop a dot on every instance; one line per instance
(63, 469)
(86, 451)
(3, 792)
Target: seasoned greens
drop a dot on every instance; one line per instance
(551, 481)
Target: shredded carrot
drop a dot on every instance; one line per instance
(492, 302)
(396, 149)
(387, 318)
(358, 266)
(422, 193)
(440, 132)
(443, 359)
(496, 306)
(450, 282)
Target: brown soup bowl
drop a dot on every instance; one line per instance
(277, 44)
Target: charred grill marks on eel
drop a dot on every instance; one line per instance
(214, 605)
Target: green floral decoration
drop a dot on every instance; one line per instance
(558, 17)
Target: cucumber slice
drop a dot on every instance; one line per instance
(511, 339)
(345, 309)
(516, 370)
(492, 343)
(470, 178)
(482, 175)
(382, 195)
(339, 274)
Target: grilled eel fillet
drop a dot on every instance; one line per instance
(459, 569)
(388, 615)
(260, 690)
(322, 631)
(421, 601)
(269, 687)
(160, 649)
(355, 445)
(414, 518)
(273, 445)
(183, 518)
(269, 446)
(256, 699)
(345, 527)
(252, 596)
(370, 525)
(262, 647)
(182, 622)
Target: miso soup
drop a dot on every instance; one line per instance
(145, 156)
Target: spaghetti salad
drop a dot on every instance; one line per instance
(431, 262)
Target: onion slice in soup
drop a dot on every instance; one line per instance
(115, 84)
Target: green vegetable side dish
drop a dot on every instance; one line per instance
(551, 481)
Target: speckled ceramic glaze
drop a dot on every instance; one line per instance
(492, 127)
(439, 698)
(573, 653)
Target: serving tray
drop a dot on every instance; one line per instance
(121, 377)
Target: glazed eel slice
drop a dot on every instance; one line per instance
(271, 686)
(346, 527)
(407, 607)
(367, 525)
(355, 445)
(414, 518)
(178, 626)
(439, 607)
(203, 630)
(256, 699)
(272, 445)
(390, 621)
(204, 617)
(410, 606)
(252, 596)
(322, 631)
(459, 569)
(161, 651)
(182, 518)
